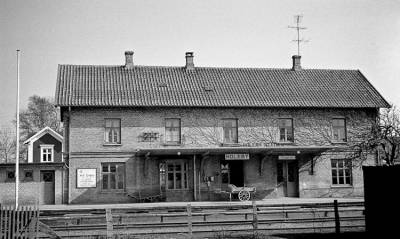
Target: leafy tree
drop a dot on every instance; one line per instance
(40, 113)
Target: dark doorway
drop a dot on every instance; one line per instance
(47, 187)
(236, 173)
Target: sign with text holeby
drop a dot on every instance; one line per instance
(287, 157)
(237, 156)
(86, 178)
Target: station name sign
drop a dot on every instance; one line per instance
(287, 157)
(237, 156)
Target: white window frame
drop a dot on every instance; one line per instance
(285, 127)
(346, 177)
(42, 148)
(115, 131)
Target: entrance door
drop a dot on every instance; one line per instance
(175, 180)
(236, 173)
(47, 187)
(232, 173)
(289, 176)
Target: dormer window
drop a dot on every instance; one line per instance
(46, 153)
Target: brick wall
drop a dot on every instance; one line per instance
(203, 128)
(29, 191)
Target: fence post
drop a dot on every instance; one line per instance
(1, 221)
(337, 220)
(189, 212)
(109, 221)
(255, 219)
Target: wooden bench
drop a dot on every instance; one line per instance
(147, 198)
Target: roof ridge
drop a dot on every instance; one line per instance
(209, 67)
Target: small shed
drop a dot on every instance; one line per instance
(43, 177)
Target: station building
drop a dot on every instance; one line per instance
(184, 133)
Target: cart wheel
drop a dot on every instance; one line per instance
(244, 195)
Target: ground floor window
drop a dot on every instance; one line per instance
(28, 175)
(341, 172)
(113, 176)
(177, 174)
(10, 175)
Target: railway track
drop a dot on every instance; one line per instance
(163, 221)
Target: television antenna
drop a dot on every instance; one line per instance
(298, 19)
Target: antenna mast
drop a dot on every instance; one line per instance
(298, 28)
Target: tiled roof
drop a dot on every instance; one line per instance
(89, 85)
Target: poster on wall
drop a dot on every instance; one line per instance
(86, 178)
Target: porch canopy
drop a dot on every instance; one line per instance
(274, 150)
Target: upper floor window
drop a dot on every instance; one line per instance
(113, 176)
(173, 131)
(112, 133)
(339, 130)
(341, 171)
(286, 130)
(46, 153)
(230, 128)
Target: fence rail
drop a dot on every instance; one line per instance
(21, 222)
(192, 220)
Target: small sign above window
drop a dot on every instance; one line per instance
(237, 156)
(287, 157)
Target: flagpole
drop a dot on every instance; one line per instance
(17, 132)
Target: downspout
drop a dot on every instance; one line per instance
(194, 177)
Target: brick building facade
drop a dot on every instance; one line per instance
(186, 133)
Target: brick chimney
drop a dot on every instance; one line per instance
(189, 61)
(296, 63)
(128, 59)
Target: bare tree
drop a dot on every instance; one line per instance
(383, 138)
(7, 145)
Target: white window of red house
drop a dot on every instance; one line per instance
(113, 176)
(339, 129)
(286, 130)
(177, 174)
(112, 133)
(173, 131)
(230, 130)
(341, 172)
(46, 153)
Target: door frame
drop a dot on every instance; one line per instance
(285, 174)
(53, 196)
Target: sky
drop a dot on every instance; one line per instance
(341, 34)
